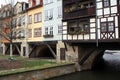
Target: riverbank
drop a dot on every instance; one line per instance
(38, 73)
(32, 69)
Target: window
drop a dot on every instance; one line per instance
(103, 27)
(14, 22)
(79, 27)
(46, 31)
(30, 4)
(83, 27)
(14, 35)
(30, 19)
(19, 21)
(106, 3)
(72, 26)
(49, 14)
(47, 1)
(29, 33)
(49, 30)
(37, 32)
(110, 26)
(22, 20)
(59, 12)
(107, 26)
(86, 28)
(59, 29)
(38, 17)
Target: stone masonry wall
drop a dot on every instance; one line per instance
(41, 74)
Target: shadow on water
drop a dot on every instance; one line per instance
(106, 68)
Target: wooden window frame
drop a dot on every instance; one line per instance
(107, 1)
(107, 26)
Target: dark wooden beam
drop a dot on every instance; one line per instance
(86, 56)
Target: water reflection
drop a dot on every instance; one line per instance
(110, 71)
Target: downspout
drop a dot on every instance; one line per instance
(96, 24)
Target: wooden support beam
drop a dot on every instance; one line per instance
(73, 48)
(86, 56)
(7, 49)
(18, 48)
(53, 53)
(65, 46)
(32, 50)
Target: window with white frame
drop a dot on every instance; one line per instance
(49, 14)
(30, 4)
(37, 32)
(38, 17)
(30, 19)
(60, 29)
(48, 1)
(46, 30)
(22, 20)
(59, 12)
(49, 30)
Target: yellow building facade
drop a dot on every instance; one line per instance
(35, 22)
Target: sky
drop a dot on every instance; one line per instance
(7, 1)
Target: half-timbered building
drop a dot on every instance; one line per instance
(79, 20)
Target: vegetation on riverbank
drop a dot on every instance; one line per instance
(23, 64)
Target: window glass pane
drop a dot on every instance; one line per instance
(110, 26)
(103, 27)
(106, 3)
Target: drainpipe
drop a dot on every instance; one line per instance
(96, 24)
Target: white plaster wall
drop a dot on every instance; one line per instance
(54, 22)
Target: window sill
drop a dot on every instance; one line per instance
(48, 36)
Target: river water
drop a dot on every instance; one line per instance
(109, 71)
